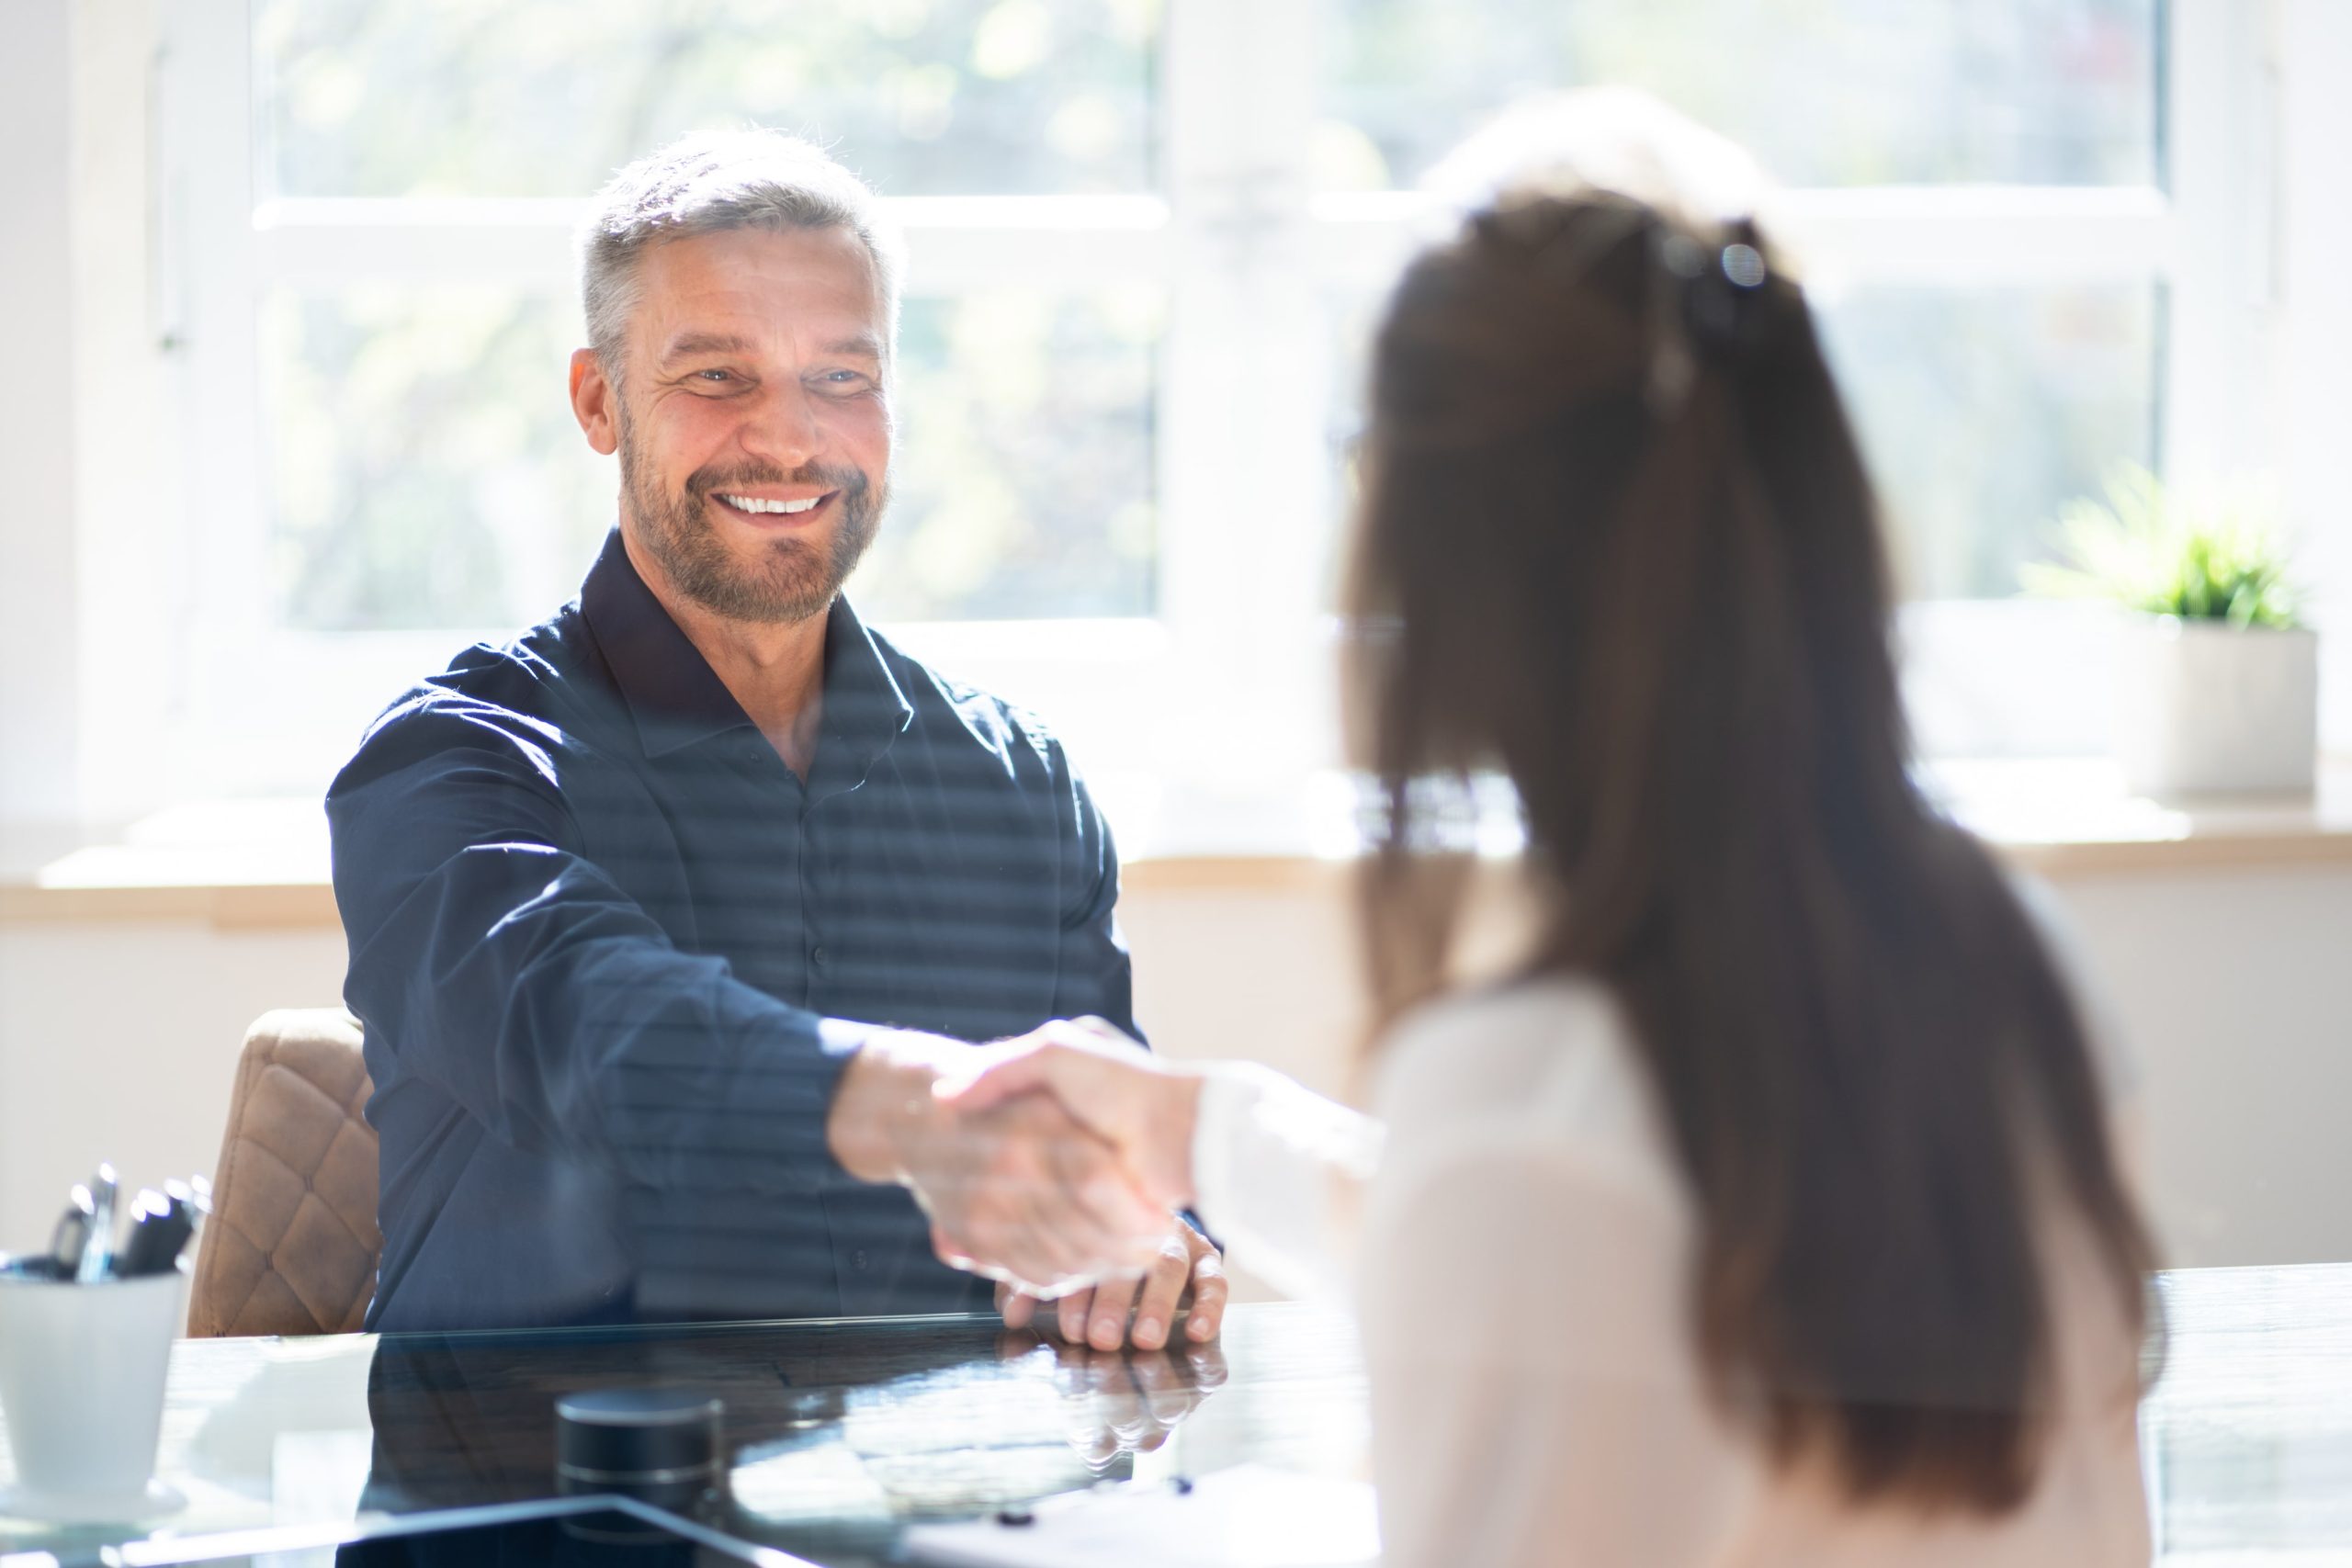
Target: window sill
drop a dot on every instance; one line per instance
(2072, 817)
(262, 866)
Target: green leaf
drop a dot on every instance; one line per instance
(2150, 548)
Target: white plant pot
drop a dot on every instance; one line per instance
(2206, 708)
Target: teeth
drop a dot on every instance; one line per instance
(753, 504)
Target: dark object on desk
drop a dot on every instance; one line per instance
(659, 1446)
(82, 1248)
(72, 1232)
(548, 1535)
(576, 1540)
(160, 1230)
(292, 1245)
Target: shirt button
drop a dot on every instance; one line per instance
(857, 1258)
(819, 957)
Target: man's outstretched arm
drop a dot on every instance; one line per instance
(508, 969)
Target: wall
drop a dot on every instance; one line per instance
(118, 1040)
(2235, 994)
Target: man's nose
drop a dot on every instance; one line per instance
(784, 427)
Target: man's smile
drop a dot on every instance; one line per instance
(773, 510)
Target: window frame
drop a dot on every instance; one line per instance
(1228, 688)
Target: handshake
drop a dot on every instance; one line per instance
(1054, 1163)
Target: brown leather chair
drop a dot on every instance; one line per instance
(292, 1242)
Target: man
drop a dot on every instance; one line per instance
(628, 898)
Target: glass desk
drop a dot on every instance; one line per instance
(842, 1433)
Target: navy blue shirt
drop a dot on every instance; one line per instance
(611, 956)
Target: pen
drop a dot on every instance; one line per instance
(194, 1195)
(145, 1238)
(65, 1243)
(159, 1229)
(98, 1246)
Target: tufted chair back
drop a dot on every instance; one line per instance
(292, 1242)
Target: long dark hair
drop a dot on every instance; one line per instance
(1617, 539)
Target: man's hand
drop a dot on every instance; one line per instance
(1101, 1318)
(1141, 1105)
(1017, 1190)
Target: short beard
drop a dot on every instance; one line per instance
(795, 580)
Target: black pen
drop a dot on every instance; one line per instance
(72, 1233)
(158, 1233)
(145, 1238)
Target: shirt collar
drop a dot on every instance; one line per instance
(676, 699)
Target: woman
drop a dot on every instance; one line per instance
(1772, 1212)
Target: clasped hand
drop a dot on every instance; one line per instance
(1053, 1163)
(1141, 1111)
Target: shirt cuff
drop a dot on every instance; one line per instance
(841, 1038)
(1229, 1096)
(1268, 1155)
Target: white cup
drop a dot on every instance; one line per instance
(82, 1370)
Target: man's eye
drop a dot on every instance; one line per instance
(714, 377)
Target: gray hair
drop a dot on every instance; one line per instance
(709, 182)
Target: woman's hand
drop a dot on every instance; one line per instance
(1143, 1107)
(1143, 1313)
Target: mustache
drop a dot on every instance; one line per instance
(851, 483)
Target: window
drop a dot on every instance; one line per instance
(1827, 93)
(1146, 243)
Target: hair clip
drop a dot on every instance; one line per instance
(1712, 309)
(1719, 289)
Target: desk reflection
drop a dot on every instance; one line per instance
(837, 1434)
(582, 1541)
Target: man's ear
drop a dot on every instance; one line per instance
(596, 402)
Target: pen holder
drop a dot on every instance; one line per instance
(82, 1370)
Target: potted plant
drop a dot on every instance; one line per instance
(2217, 677)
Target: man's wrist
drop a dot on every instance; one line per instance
(883, 1097)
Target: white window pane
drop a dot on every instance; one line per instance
(1827, 92)
(1983, 410)
(424, 469)
(1024, 485)
(546, 97)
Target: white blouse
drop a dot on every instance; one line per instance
(1520, 1246)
